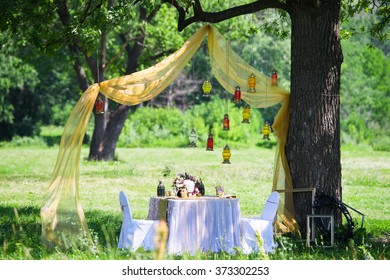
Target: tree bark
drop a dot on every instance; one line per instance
(113, 130)
(313, 144)
(108, 126)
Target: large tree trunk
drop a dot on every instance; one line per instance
(114, 129)
(313, 145)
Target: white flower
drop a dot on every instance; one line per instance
(190, 185)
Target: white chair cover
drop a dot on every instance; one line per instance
(263, 226)
(135, 233)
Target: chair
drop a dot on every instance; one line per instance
(135, 233)
(263, 225)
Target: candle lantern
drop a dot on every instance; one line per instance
(210, 143)
(246, 113)
(266, 131)
(274, 78)
(237, 95)
(99, 106)
(160, 189)
(206, 87)
(200, 186)
(252, 83)
(226, 122)
(226, 155)
(193, 137)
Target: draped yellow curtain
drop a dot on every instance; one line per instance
(61, 208)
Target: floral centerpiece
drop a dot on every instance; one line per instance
(187, 183)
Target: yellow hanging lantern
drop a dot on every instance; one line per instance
(266, 131)
(206, 87)
(246, 113)
(226, 155)
(252, 83)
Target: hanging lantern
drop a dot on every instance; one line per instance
(160, 189)
(226, 122)
(193, 137)
(274, 78)
(210, 143)
(99, 106)
(246, 113)
(237, 95)
(206, 87)
(252, 83)
(266, 131)
(226, 154)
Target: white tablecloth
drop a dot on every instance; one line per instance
(201, 224)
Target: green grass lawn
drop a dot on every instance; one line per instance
(25, 173)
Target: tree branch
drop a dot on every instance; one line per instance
(214, 17)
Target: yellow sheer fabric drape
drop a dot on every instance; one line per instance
(62, 209)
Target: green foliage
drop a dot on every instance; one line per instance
(365, 92)
(170, 127)
(40, 89)
(18, 141)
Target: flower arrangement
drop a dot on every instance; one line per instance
(186, 182)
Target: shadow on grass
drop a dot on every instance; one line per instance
(20, 238)
(21, 228)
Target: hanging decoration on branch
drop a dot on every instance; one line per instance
(274, 78)
(206, 87)
(226, 122)
(210, 143)
(246, 113)
(193, 137)
(226, 155)
(252, 83)
(266, 131)
(99, 106)
(237, 95)
(131, 90)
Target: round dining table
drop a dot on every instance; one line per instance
(199, 224)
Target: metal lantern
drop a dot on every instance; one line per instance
(274, 78)
(237, 95)
(199, 184)
(226, 122)
(226, 155)
(193, 137)
(246, 113)
(99, 106)
(266, 131)
(160, 189)
(210, 143)
(206, 87)
(252, 83)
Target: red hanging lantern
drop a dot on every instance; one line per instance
(210, 143)
(226, 122)
(274, 78)
(237, 95)
(99, 106)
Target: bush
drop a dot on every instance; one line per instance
(170, 127)
(18, 141)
